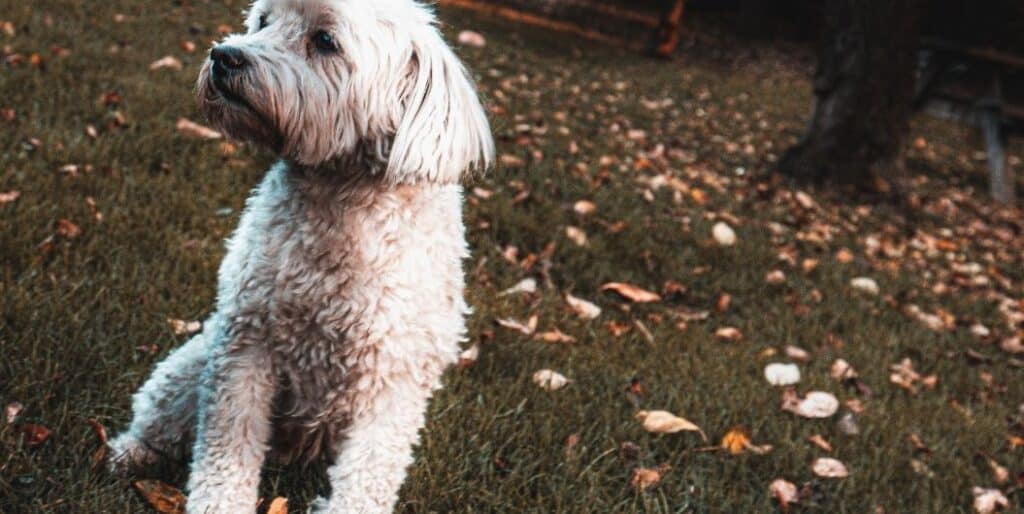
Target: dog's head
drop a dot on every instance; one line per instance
(318, 80)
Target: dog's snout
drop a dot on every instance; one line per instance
(228, 58)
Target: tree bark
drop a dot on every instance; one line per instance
(863, 90)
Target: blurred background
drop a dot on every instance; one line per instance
(708, 208)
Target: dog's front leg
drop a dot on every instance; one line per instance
(234, 429)
(376, 450)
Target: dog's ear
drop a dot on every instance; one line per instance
(442, 131)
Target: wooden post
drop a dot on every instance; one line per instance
(1000, 181)
(666, 37)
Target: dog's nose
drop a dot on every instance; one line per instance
(228, 58)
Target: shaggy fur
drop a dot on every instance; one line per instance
(339, 301)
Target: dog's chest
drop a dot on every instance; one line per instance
(349, 297)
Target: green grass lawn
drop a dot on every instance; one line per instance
(663, 151)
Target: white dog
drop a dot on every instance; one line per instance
(340, 301)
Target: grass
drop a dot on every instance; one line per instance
(83, 319)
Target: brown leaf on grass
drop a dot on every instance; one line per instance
(469, 356)
(190, 128)
(555, 336)
(278, 505)
(903, 375)
(168, 61)
(12, 411)
(842, 370)
(664, 422)
(584, 207)
(100, 454)
(67, 229)
(729, 334)
(736, 440)
(9, 196)
(999, 472)
(182, 327)
(989, 501)
(511, 160)
(1012, 345)
(34, 435)
(820, 441)
(784, 492)
(582, 308)
(471, 38)
(817, 404)
(827, 467)
(164, 498)
(527, 328)
(631, 292)
(798, 354)
(550, 380)
(576, 235)
(645, 478)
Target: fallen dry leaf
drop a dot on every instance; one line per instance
(820, 441)
(12, 411)
(584, 207)
(526, 285)
(34, 435)
(9, 196)
(798, 354)
(664, 422)
(631, 292)
(989, 501)
(527, 328)
(555, 336)
(576, 235)
(192, 129)
(645, 478)
(165, 498)
(903, 375)
(999, 472)
(784, 492)
(817, 404)
(65, 228)
(737, 440)
(100, 454)
(1012, 345)
(278, 505)
(780, 374)
(775, 277)
(865, 285)
(842, 370)
(168, 61)
(723, 234)
(511, 160)
(469, 356)
(729, 334)
(582, 308)
(550, 380)
(471, 38)
(827, 467)
(182, 327)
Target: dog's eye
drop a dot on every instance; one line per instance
(263, 22)
(324, 42)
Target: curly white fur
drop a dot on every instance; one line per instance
(340, 300)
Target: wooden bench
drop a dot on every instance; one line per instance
(981, 87)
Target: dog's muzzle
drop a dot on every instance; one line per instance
(228, 63)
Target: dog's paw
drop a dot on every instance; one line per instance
(128, 455)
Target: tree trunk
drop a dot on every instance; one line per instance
(863, 88)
